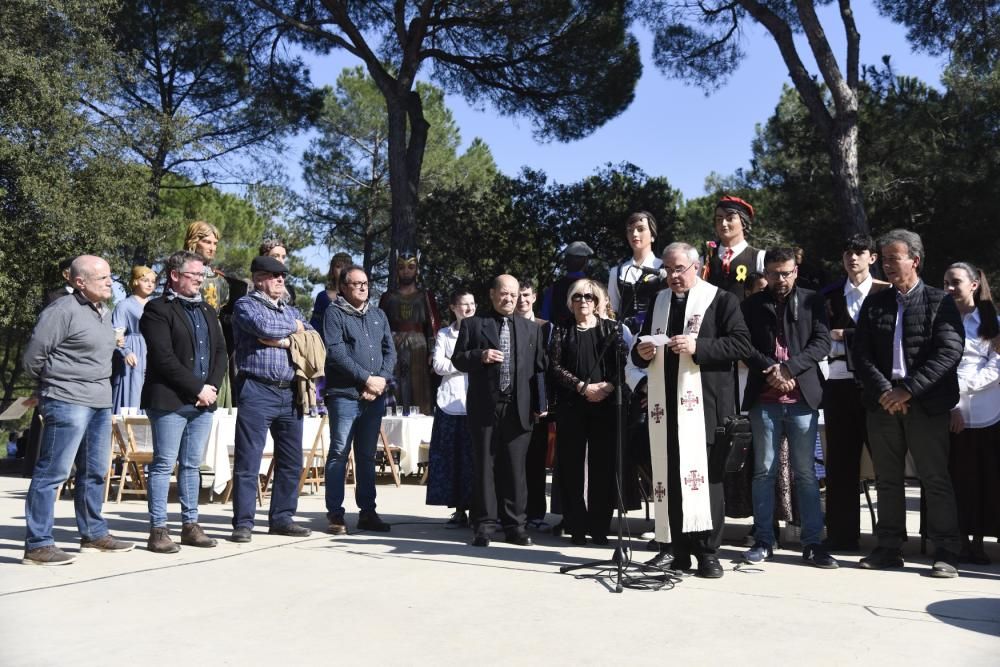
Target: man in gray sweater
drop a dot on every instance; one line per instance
(69, 355)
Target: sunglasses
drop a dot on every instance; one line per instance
(584, 297)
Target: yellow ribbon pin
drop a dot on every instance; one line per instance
(741, 273)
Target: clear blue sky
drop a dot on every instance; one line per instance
(671, 129)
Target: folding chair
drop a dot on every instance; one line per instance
(314, 469)
(133, 478)
(388, 449)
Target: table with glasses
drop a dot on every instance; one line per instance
(408, 433)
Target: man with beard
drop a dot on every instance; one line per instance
(414, 321)
(789, 337)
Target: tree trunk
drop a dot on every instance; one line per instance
(406, 156)
(843, 149)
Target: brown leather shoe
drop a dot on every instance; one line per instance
(160, 543)
(337, 526)
(193, 536)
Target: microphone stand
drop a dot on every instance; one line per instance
(646, 576)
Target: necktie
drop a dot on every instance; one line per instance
(726, 258)
(505, 348)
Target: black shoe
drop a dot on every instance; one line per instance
(662, 560)
(481, 539)
(599, 540)
(944, 566)
(458, 520)
(519, 537)
(817, 556)
(682, 562)
(241, 535)
(881, 559)
(709, 567)
(289, 530)
(372, 521)
(579, 539)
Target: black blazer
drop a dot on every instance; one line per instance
(170, 382)
(807, 336)
(933, 343)
(723, 340)
(476, 334)
(839, 318)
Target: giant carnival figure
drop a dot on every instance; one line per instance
(414, 321)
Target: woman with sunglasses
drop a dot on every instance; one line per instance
(584, 361)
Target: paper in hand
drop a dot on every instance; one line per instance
(659, 340)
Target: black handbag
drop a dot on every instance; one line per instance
(740, 440)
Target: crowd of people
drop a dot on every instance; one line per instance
(666, 362)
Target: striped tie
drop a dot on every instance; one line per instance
(505, 348)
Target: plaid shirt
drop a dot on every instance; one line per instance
(256, 316)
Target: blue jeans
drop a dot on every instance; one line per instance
(264, 408)
(356, 422)
(71, 434)
(797, 422)
(178, 437)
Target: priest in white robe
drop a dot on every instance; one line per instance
(688, 344)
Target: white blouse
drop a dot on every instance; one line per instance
(978, 376)
(631, 271)
(454, 383)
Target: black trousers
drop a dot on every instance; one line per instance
(926, 438)
(499, 487)
(534, 466)
(585, 442)
(846, 435)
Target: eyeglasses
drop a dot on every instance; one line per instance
(677, 270)
(784, 275)
(584, 297)
(361, 284)
(192, 274)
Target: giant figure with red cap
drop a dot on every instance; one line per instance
(731, 259)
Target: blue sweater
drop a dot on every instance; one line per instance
(357, 347)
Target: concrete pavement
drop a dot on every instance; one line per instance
(420, 595)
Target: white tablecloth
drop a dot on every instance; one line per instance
(407, 433)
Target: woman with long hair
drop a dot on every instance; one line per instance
(974, 462)
(449, 480)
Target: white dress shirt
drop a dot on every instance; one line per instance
(978, 375)
(855, 296)
(454, 383)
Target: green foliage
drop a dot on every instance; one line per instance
(930, 162)
(521, 226)
(346, 168)
(569, 66)
(200, 93)
(64, 189)
(967, 30)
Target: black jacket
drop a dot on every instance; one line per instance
(933, 343)
(170, 382)
(476, 334)
(806, 334)
(838, 316)
(563, 349)
(722, 340)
